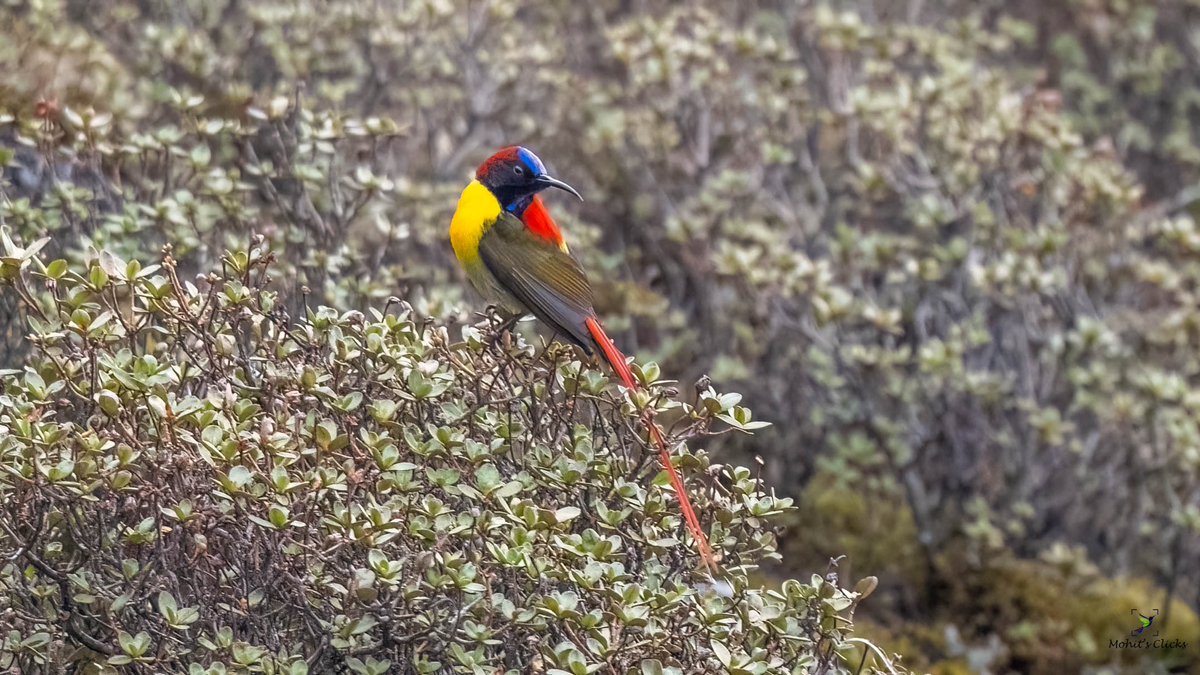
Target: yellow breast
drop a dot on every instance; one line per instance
(478, 209)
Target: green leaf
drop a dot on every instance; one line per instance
(652, 667)
(166, 604)
(487, 478)
(567, 513)
(509, 489)
(57, 269)
(240, 476)
(721, 652)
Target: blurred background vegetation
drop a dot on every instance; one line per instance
(948, 248)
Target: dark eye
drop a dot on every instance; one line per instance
(519, 170)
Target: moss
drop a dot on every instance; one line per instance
(877, 537)
(1056, 622)
(1052, 614)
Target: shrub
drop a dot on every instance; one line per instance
(193, 480)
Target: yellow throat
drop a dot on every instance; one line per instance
(478, 209)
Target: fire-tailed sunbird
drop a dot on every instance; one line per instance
(515, 256)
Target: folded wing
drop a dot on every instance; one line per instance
(543, 276)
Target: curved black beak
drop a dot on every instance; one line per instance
(546, 181)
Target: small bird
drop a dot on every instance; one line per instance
(516, 257)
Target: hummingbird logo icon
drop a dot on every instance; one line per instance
(1145, 621)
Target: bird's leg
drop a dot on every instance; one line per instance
(571, 347)
(503, 329)
(546, 345)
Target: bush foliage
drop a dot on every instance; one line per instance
(193, 481)
(949, 248)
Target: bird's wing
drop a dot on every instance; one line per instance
(543, 276)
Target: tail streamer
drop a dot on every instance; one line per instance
(617, 360)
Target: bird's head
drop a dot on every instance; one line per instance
(514, 175)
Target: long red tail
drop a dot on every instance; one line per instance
(617, 360)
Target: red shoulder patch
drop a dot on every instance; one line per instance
(539, 222)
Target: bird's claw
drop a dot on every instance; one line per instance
(502, 330)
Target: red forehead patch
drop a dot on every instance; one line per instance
(505, 156)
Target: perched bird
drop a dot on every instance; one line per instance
(515, 256)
